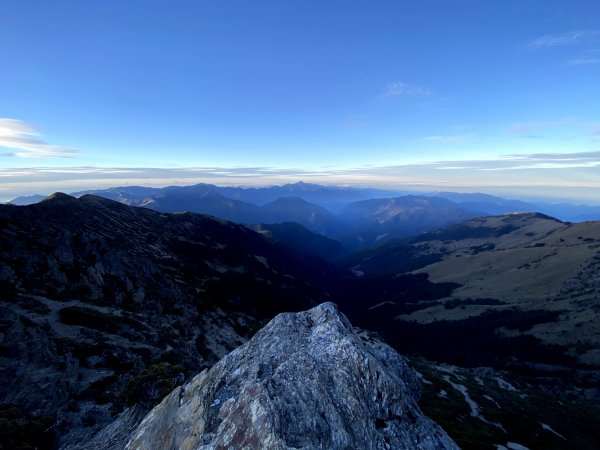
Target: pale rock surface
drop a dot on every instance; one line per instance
(306, 380)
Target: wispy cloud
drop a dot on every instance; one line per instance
(22, 137)
(531, 161)
(548, 165)
(564, 39)
(257, 174)
(579, 156)
(562, 173)
(401, 88)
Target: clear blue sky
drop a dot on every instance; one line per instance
(499, 96)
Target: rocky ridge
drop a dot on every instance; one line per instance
(306, 380)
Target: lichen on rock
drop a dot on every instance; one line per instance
(306, 380)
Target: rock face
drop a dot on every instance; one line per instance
(306, 380)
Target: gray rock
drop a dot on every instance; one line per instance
(306, 380)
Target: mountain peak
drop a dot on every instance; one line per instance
(306, 380)
(303, 185)
(59, 197)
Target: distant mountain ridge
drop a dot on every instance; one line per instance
(361, 217)
(336, 198)
(333, 198)
(487, 204)
(379, 220)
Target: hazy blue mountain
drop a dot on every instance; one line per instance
(487, 204)
(210, 199)
(493, 205)
(333, 198)
(27, 200)
(571, 212)
(205, 200)
(295, 209)
(376, 221)
(358, 217)
(128, 195)
(360, 224)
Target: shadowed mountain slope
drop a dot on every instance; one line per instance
(301, 240)
(295, 209)
(103, 305)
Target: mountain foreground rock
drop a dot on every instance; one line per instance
(306, 380)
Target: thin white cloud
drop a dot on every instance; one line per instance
(579, 156)
(401, 88)
(22, 137)
(561, 172)
(532, 161)
(548, 165)
(508, 161)
(569, 38)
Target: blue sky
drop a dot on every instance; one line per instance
(494, 96)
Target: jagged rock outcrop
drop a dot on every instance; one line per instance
(306, 380)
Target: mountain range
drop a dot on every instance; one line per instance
(332, 198)
(107, 307)
(359, 218)
(357, 224)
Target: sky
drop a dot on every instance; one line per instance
(492, 96)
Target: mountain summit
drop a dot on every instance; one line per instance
(306, 380)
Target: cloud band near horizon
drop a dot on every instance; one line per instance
(572, 175)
